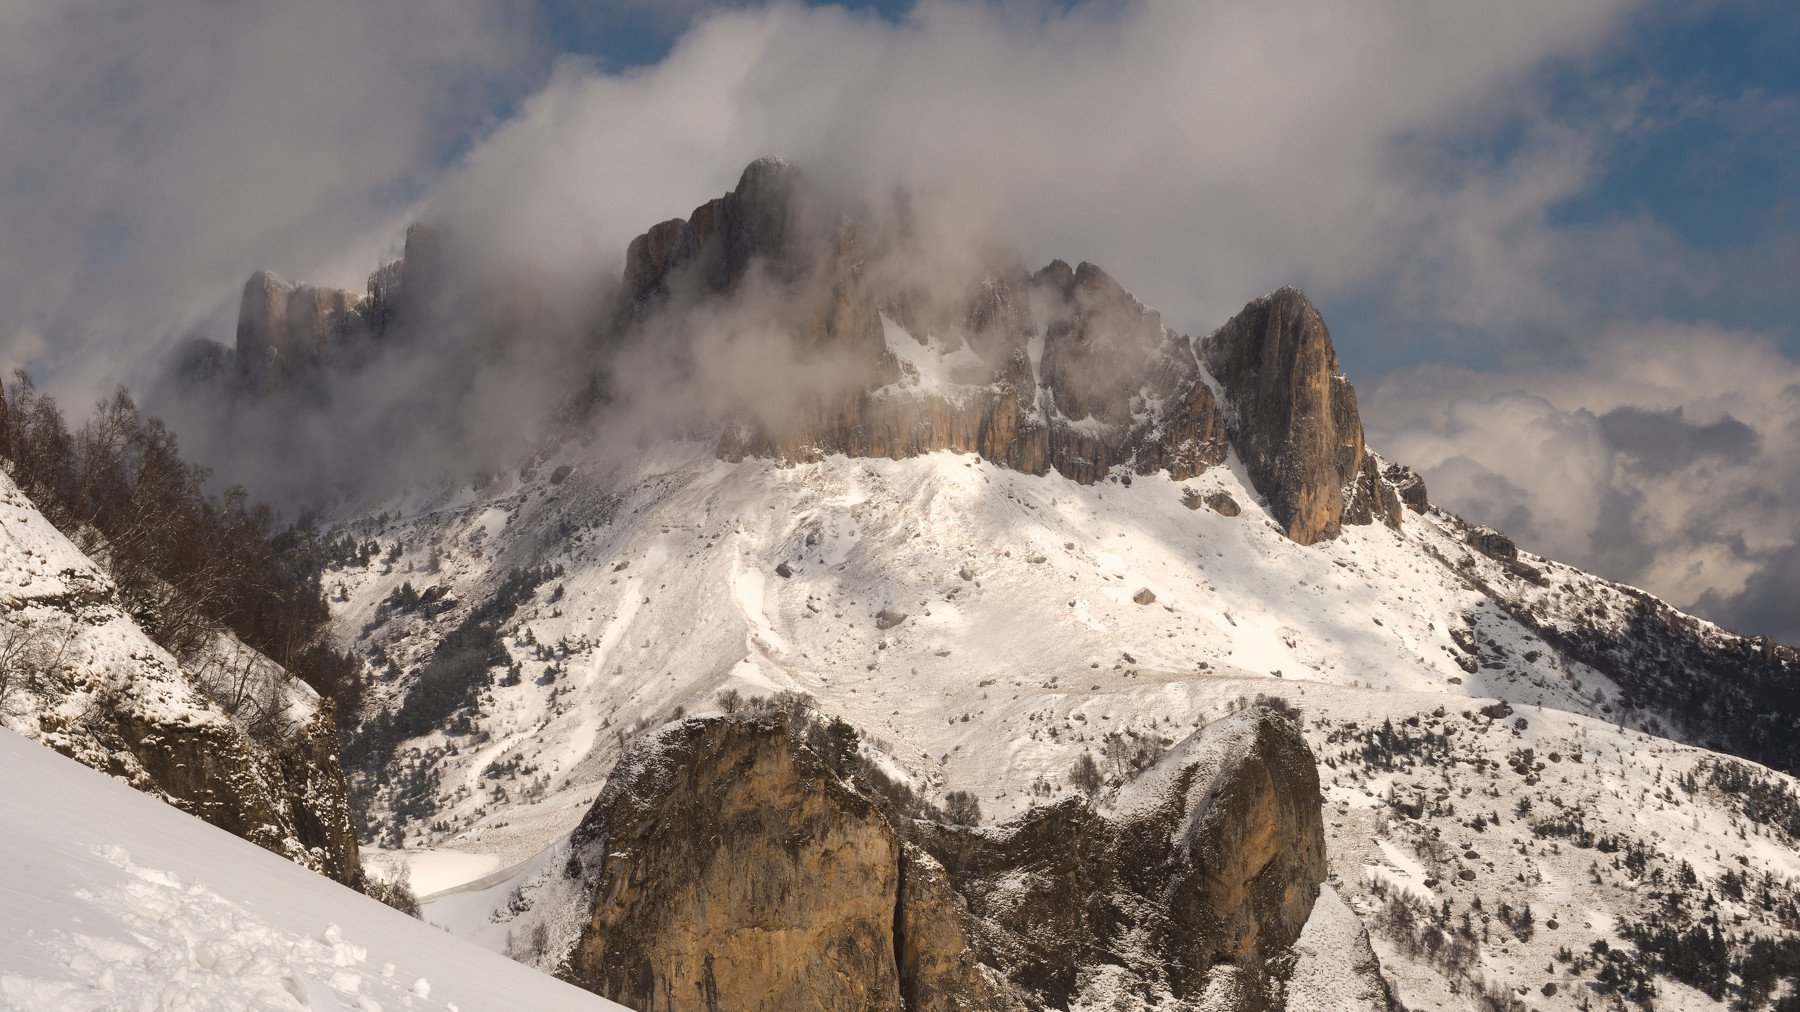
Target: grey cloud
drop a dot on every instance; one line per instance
(1661, 454)
(156, 153)
(1664, 441)
(1769, 603)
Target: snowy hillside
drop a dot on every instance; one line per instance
(228, 736)
(985, 628)
(110, 899)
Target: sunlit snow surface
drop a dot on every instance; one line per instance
(1021, 647)
(1017, 592)
(112, 900)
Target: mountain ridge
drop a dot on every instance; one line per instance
(927, 543)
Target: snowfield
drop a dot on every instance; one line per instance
(985, 627)
(110, 899)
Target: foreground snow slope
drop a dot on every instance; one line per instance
(110, 899)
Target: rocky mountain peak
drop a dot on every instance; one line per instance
(1107, 389)
(719, 241)
(285, 328)
(1294, 421)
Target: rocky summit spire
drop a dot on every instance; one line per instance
(719, 241)
(285, 328)
(1294, 421)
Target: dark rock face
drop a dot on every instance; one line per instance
(1409, 486)
(267, 793)
(1116, 388)
(730, 869)
(1294, 418)
(1493, 544)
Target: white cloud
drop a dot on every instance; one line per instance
(155, 153)
(1203, 153)
(1659, 453)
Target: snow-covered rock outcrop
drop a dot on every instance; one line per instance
(231, 739)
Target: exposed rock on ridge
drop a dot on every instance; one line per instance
(731, 869)
(1108, 387)
(1294, 421)
(287, 332)
(285, 329)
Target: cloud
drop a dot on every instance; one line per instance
(155, 153)
(1661, 442)
(1417, 157)
(1662, 454)
(1204, 153)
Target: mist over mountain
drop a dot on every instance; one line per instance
(939, 505)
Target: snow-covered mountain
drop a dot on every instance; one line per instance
(1012, 526)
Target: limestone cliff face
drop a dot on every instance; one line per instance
(731, 869)
(285, 329)
(1075, 375)
(1294, 420)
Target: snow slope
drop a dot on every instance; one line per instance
(1017, 593)
(982, 627)
(110, 899)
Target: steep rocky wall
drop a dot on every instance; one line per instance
(1293, 418)
(285, 329)
(1111, 386)
(732, 870)
(729, 868)
(1078, 376)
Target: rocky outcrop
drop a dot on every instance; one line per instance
(1076, 375)
(1210, 859)
(284, 330)
(1294, 421)
(1408, 485)
(84, 679)
(730, 868)
(287, 332)
(1493, 544)
(716, 246)
(1065, 370)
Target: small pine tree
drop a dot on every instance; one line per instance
(1085, 774)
